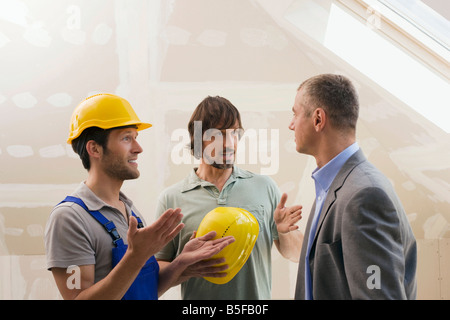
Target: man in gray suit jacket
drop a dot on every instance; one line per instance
(358, 243)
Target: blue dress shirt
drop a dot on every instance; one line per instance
(323, 177)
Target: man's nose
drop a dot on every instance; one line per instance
(230, 140)
(291, 125)
(137, 147)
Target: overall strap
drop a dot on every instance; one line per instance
(140, 224)
(109, 226)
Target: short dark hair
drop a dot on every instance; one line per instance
(213, 112)
(336, 95)
(98, 135)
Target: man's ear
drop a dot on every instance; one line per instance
(320, 119)
(94, 149)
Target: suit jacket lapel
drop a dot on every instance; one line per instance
(337, 183)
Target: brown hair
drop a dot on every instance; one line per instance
(214, 113)
(336, 95)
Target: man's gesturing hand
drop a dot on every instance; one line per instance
(145, 242)
(286, 218)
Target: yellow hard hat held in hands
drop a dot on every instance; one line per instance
(236, 222)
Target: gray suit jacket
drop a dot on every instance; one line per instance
(364, 247)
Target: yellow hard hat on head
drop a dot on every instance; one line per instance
(236, 222)
(105, 111)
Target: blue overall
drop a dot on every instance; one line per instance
(145, 286)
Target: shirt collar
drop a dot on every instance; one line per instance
(93, 202)
(324, 176)
(193, 181)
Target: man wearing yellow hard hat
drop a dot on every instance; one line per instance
(97, 244)
(220, 196)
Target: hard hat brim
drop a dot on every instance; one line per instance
(140, 126)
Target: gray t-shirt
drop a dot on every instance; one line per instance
(255, 193)
(74, 237)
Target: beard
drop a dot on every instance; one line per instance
(222, 166)
(218, 161)
(119, 168)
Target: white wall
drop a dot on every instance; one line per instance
(165, 57)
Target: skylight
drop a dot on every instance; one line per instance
(423, 18)
(393, 69)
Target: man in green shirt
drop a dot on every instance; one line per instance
(218, 182)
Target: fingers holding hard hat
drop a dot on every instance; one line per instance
(204, 247)
(215, 245)
(220, 244)
(200, 255)
(236, 233)
(215, 268)
(209, 236)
